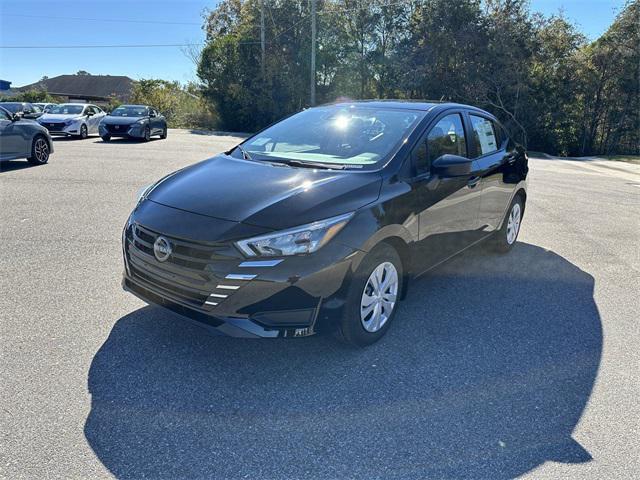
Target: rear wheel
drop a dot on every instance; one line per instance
(39, 151)
(505, 238)
(372, 298)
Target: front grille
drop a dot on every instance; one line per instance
(185, 276)
(117, 128)
(54, 126)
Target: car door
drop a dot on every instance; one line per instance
(449, 206)
(154, 121)
(92, 126)
(489, 145)
(10, 138)
(99, 115)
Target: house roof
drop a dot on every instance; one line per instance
(94, 86)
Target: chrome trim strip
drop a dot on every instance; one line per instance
(239, 276)
(210, 303)
(228, 287)
(217, 295)
(261, 263)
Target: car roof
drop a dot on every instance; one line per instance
(423, 105)
(134, 105)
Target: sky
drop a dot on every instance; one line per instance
(126, 22)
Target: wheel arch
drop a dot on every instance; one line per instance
(404, 251)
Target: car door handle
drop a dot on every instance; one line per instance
(473, 181)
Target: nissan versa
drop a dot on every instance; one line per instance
(319, 222)
(133, 121)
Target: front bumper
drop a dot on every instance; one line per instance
(60, 128)
(134, 130)
(276, 297)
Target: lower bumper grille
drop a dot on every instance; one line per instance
(54, 126)
(183, 277)
(117, 128)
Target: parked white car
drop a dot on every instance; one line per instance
(73, 119)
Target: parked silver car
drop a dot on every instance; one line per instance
(22, 138)
(72, 119)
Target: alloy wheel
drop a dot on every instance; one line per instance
(379, 297)
(513, 224)
(41, 150)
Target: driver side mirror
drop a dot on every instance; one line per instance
(452, 166)
(15, 117)
(89, 114)
(152, 114)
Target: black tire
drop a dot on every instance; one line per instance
(40, 151)
(503, 240)
(147, 134)
(351, 328)
(84, 132)
(106, 138)
(163, 135)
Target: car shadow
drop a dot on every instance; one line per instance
(485, 374)
(124, 140)
(14, 165)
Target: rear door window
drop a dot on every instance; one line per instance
(484, 135)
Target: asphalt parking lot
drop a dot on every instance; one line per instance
(497, 366)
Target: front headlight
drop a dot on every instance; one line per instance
(295, 241)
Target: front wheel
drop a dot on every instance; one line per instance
(84, 133)
(163, 135)
(504, 239)
(39, 151)
(106, 138)
(147, 134)
(372, 298)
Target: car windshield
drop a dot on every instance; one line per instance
(67, 109)
(130, 111)
(12, 107)
(349, 136)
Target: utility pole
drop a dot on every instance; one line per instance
(313, 53)
(262, 44)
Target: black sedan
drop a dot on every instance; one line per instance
(133, 121)
(25, 110)
(319, 222)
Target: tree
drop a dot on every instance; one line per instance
(552, 89)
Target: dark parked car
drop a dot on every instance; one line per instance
(23, 139)
(22, 109)
(319, 222)
(133, 121)
(45, 107)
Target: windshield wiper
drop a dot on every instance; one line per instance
(326, 166)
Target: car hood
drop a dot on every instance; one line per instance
(121, 120)
(263, 194)
(49, 117)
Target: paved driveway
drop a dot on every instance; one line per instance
(497, 366)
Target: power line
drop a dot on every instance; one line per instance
(109, 20)
(101, 46)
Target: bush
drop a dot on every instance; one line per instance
(182, 106)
